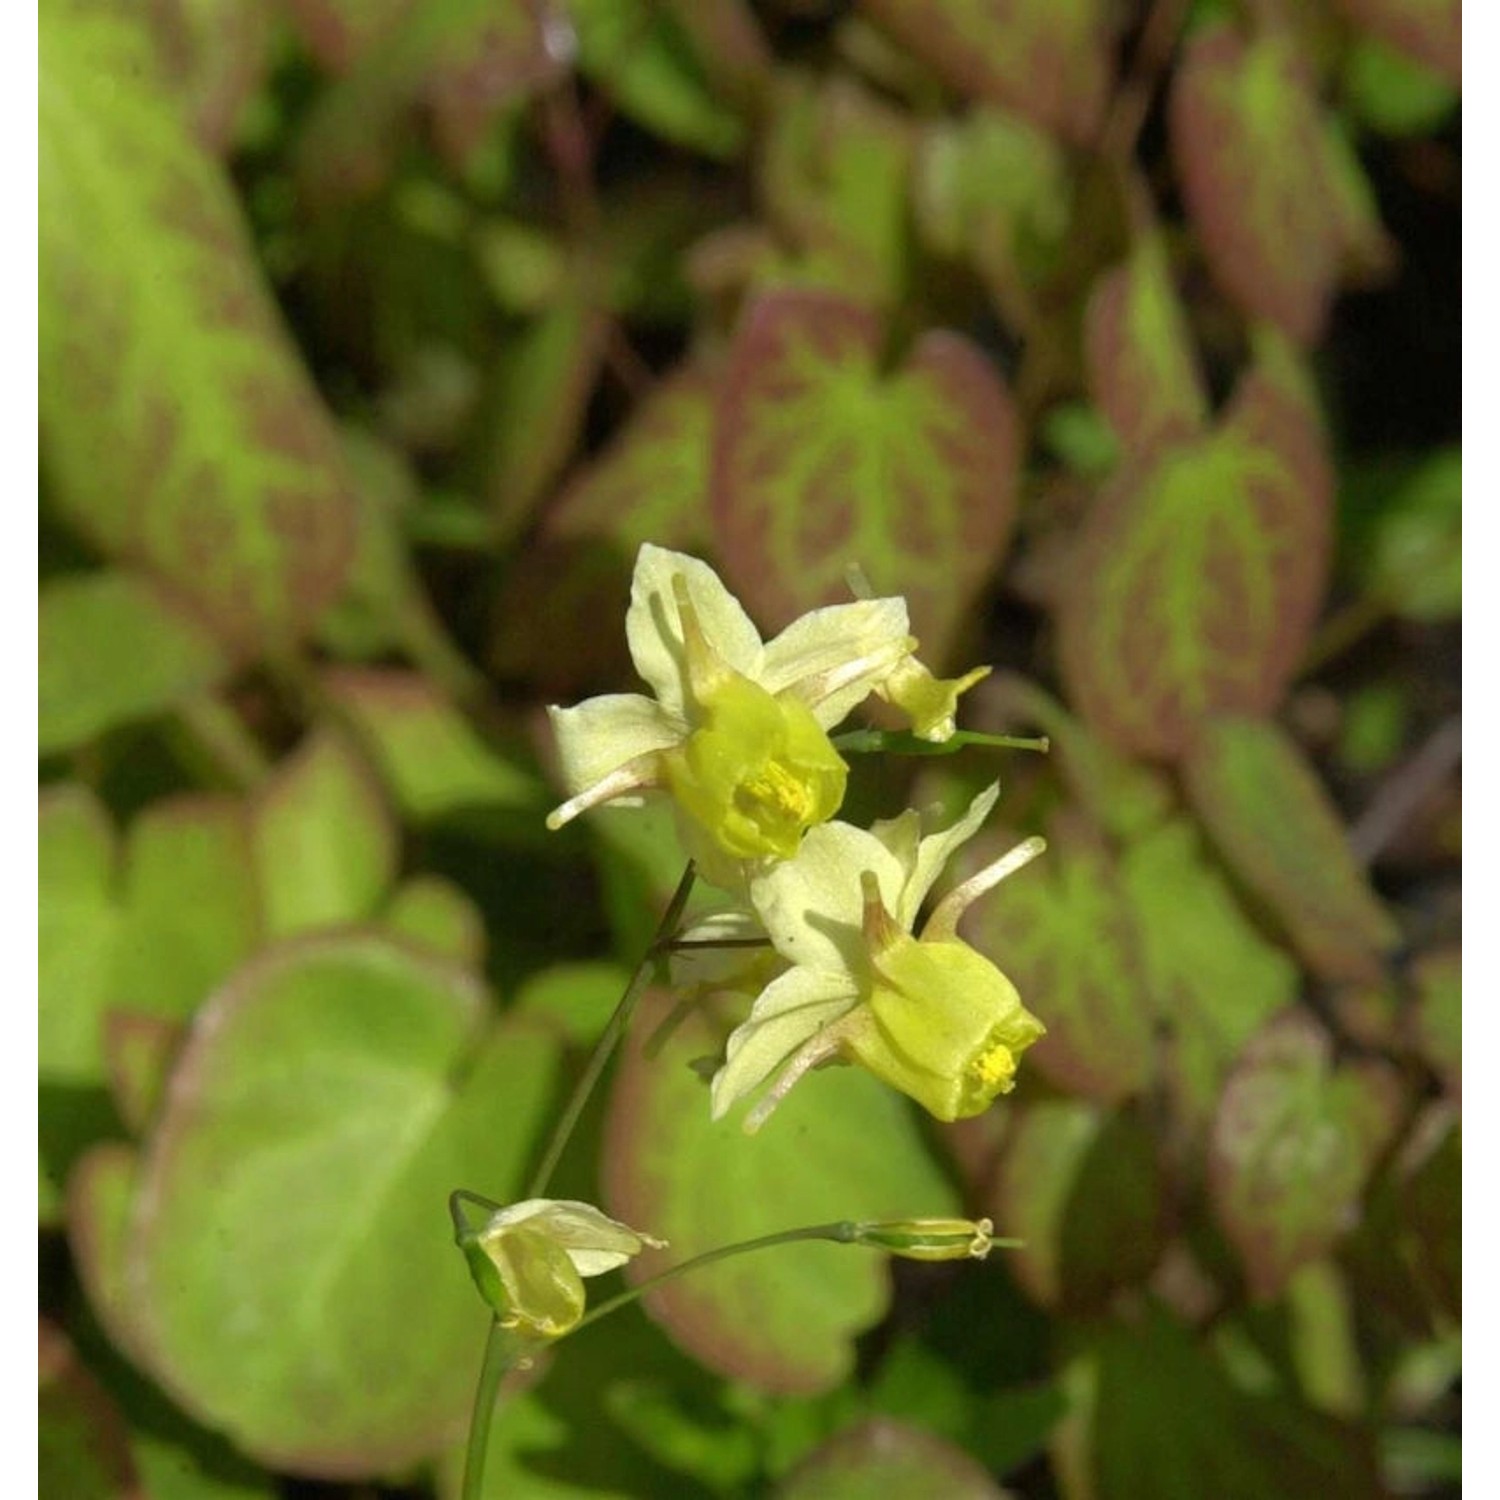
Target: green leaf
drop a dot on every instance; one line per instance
(221, 53)
(1066, 938)
(640, 56)
(1247, 138)
(541, 393)
(651, 483)
(1198, 574)
(1047, 59)
(77, 933)
(101, 1189)
(1430, 32)
(1277, 829)
(840, 1146)
(882, 1459)
(460, 63)
(289, 1217)
(834, 168)
(1083, 1189)
(1213, 979)
(1293, 1142)
(1435, 1023)
(191, 906)
(1143, 369)
(438, 916)
(578, 998)
(83, 1450)
(1412, 559)
(178, 428)
(1164, 1422)
(430, 756)
(1394, 94)
(139, 1051)
(111, 651)
(995, 191)
(325, 842)
(823, 459)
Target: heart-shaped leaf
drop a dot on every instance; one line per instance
(1213, 979)
(178, 428)
(1248, 140)
(1276, 828)
(290, 1210)
(1142, 367)
(1293, 1142)
(1048, 59)
(1083, 1190)
(325, 842)
(881, 1459)
(1066, 938)
(840, 1147)
(437, 915)
(823, 459)
(1198, 573)
(112, 650)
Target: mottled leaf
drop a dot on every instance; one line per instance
(1390, 92)
(824, 458)
(995, 191)
(840, 1146)
(1143, 369)
(1368, 255)
(1164, 1421)
(1123, 796)
(438, 916)
(430, 756)
(1067, 940)
(1430, 31)
(1198, 574)
(218, 51)
(83, 1450)
(289, 1215)
(191, 906)
(112, 650)
(541, 392)
(1435, 1023)
(1293, 1143)
(1047, 59)
(1083, 1190)
(651, 483)
(641, 56)
(325, 841)
(178, 428)
(1247, 138)
(1277, 829)
(881, 1459)
(1213, 979)
(460, 62)
(833, 173)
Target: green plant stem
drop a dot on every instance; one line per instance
(500, 1350)
(843, 1232)
(613, 1031)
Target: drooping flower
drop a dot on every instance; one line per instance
(529, 1260)
(737, 729)
(926, 1012)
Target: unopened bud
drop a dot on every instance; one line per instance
(929, 1239)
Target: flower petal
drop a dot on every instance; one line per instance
(813, 906)
(654, 630)
(834, 657)
(594, 1242)
(937, 849)
(601, 735)
(790, 1011)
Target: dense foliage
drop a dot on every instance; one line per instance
(376, 337)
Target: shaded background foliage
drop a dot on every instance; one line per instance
(374, 339)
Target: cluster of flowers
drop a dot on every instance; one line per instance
(736, 734)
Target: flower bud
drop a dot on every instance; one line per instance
(929, 1239)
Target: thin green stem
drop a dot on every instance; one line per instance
(613, 1031)
(500, 1351)
(688, 945)
(843, 1232)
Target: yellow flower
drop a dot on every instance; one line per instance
(926, 1013)
(737, 729)
(529, 1260)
